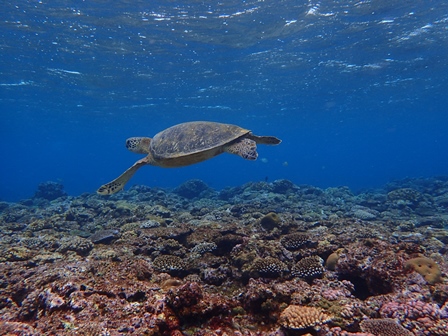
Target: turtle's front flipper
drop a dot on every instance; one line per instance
(245, 148)
(119, 183)
(264, 140)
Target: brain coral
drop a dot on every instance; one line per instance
(301, 317)
(384, 327)
(308, 267)
(427, 268)
(294, 241)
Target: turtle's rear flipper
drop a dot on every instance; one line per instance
(264, 140)
(245, 148)
(119, 183)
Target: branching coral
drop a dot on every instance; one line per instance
(302, 317)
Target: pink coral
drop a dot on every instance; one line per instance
(417, 315)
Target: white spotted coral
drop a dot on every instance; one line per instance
(308, 267)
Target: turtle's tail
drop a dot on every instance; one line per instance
(119, 183)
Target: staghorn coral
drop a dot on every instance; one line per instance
(384, 327)
(169, 264)
(295, 241)
(308, 267)
(302, 317)
(426, 267)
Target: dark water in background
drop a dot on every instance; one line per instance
(357, 90)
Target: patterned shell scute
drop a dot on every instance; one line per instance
(193, 137)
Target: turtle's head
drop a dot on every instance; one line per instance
(139, 145)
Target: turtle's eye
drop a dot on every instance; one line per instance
(131, 143)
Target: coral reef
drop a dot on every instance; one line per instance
(246, 260)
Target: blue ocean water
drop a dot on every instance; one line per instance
(357, 90)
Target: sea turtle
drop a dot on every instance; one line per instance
(188, 143)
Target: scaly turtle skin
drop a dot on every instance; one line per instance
(189, 143)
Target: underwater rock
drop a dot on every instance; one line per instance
(186, 295)
(405, 197)
(283, 186)
(215, 276)
(191, 188)
(104, 236)
(270, 221)
(50, 191)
